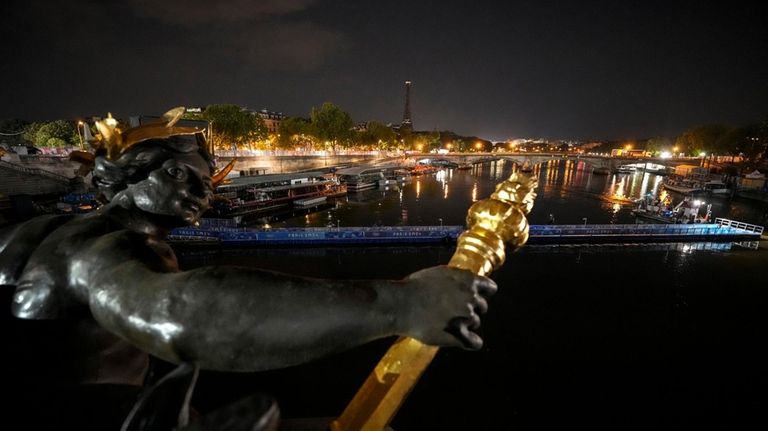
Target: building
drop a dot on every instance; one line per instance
(753, 181)
(621, 152)
(271, 119)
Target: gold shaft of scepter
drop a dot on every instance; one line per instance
(492, 224)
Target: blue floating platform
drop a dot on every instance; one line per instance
(226, 233)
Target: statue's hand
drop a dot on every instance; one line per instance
(445, 305)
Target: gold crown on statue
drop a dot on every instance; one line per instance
(114, 141)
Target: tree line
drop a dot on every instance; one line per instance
(231, 127)
(749, 141)
(330, 128)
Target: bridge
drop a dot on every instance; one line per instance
(531, 159)
(288, 162)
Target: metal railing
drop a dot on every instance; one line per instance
(740, 225)
(643, 230)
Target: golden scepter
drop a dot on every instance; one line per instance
(491, 223)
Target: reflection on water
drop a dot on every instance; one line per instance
(567, 189)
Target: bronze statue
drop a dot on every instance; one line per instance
(114, 283)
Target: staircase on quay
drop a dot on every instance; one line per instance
(18, 179)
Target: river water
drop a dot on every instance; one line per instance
(610, 337)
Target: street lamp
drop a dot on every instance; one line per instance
(441, 222)
(79, 124)
(585, 220)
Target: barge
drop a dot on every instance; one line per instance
(377, 235)
(222, 233)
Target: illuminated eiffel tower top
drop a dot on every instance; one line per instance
(407, 113)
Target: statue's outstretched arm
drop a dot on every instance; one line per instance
(239, 319)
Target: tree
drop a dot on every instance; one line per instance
(761, 139)
(12, 130)
(30, 132)
(460, 146)
(294, 131)
(59, 133)
(702, 139)
(658, 144)
(425, 141)
(233, 127)
(331, 124)
(433, 141)
(738, 140)
(378, 135)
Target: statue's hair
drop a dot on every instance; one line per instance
(135, 164)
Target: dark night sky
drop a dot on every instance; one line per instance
(495, 69)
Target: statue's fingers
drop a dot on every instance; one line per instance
(485, 286)
(480, 304)
(460, 328)
(472, 341)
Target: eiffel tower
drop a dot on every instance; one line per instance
(407, 125)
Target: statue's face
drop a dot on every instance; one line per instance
(181, 188)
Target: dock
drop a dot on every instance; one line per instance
(224, 233)
(725, 231)
(377, 235)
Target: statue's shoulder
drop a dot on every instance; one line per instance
(18, 245)
(54, 268)
(18, 242)
(38, 227)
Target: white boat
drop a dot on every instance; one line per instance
(250, 196)
(688, 210)
(308, 202)
(359, 178)
(626, 169)
(716, 187)
(685, 186)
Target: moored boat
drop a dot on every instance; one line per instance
(716, 187)
(308, 202)
(626, 169)
(361, 178)
(688, 210)
(249, 196)
(683, 185)
(421, 169)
